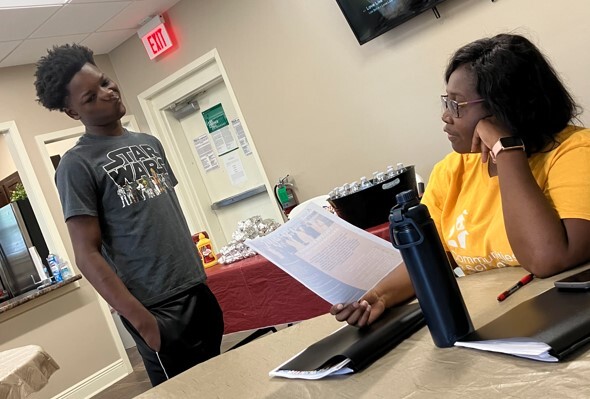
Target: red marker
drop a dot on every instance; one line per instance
(522, 282)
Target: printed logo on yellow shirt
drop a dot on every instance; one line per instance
(458, 234)
(457, 243)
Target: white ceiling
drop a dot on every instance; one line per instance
(102, 25)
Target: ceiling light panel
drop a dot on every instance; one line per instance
(4, 4)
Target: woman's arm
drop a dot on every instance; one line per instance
(393, 289)
(543, 243)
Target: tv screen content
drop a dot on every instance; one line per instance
(371, 18)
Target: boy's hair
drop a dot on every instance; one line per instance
(56, 70)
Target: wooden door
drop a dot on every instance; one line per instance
(7, 185)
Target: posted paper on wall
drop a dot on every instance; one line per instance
(205, 153)
(218, 127)
(331, 257)
(242, 139)
(235, 169)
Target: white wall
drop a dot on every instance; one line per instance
(7, 166)
(327, 110)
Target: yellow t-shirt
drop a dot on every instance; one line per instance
(465, 204)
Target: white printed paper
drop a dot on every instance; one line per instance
(205, 153)
(235, 169)
(331, 257)
(242, 139)
(337, 369)
(223, 140)
(521, 347)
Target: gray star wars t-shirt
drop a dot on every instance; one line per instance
(126, 182)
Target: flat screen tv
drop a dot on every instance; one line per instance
(371, 18)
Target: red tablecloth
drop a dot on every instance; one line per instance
(254, 293)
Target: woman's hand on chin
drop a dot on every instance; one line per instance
(487, 133)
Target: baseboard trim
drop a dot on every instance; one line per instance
(97, 382)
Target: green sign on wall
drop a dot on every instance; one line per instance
(215, 118)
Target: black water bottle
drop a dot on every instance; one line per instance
(413, 232)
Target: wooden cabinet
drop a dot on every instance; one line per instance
(3, 198)
(6, 186)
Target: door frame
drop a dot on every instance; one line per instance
(23, 164)
(195, 76)
(128, 121)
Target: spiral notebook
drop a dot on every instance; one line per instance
(547, 327)
(351, 349)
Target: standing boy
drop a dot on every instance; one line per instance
(130, 237)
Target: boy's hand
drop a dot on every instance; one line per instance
(150, 332)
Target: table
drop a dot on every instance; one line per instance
(416, 368)
(24, 370)
(254, 293)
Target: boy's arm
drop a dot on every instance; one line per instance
(86, 239)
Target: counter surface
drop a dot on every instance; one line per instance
(29, 296)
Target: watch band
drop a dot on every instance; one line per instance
(504, 144)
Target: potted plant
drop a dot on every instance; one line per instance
(19, 193)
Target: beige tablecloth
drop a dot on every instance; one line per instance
(24, 370)
(414, 369)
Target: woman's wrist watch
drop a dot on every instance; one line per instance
(505, 144)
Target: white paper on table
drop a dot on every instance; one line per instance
(337, 369)
(521, 347)
(331, 257)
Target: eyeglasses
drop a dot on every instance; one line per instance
(453, 106)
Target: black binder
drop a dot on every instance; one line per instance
(362, 346)
(560, 319)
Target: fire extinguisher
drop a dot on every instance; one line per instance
(285, 195)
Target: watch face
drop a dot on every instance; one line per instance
(508, 142)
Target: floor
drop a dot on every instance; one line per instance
(138, 382)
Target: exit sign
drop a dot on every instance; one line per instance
(155, 37)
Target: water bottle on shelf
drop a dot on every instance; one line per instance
(364, 183)
(335, 193)
(414, 233)
(374, 179)
(380, 178)
(54, 266)
(390, 172)
(342, 192)
(65, 271)
(345, 189)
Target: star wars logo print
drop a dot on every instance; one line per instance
(139, 173)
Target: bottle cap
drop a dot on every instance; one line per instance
(405, 196)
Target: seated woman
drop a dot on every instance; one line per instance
(516, 189)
